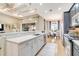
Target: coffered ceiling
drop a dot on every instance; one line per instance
(49, 11)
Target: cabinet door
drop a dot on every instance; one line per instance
(2, 46)
(73, 21)
(26, 49)
(35, 46)
(73, 11)
(40, 41)
(67, 45)
(77, 7)
(75, 50)
(67, 51)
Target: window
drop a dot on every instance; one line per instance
(54, 26)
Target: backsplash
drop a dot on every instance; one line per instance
(74, 32)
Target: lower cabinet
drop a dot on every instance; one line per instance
(75, 50)
(35, 46)
(2, 46)
(67, 45)
(27, 48)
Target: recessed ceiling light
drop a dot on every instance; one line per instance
(30, 19)
(59, 8)
(20, 16)
(15, 14)
(41, 4)
(76, 5)
(45, 11)
(35, 21)
(6, 9)
(32, 11)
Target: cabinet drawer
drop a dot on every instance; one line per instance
(35, 46)
(26, 49)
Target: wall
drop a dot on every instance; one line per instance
(40, 24)
(9, 21)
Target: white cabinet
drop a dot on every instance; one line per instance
(75, 49)
(41, 41)
(35, 46)
(11, 49)
(22, 49)
(2, 46)
(26, 48)
(67, 46)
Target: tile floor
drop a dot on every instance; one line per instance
(53, 47)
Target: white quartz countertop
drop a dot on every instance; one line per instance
(76, 41)
(22, 38)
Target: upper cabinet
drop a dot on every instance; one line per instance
(74, 10)
(77, 7)
(74, 13)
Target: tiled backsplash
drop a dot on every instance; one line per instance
(75, 31)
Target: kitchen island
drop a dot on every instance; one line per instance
(26, 45)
